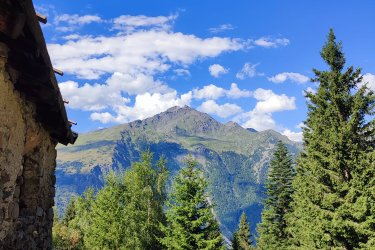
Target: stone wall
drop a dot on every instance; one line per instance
(27, 164)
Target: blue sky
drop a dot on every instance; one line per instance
(246, 61)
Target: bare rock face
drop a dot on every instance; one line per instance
(27, 164)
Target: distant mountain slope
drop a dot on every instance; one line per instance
(234, 159)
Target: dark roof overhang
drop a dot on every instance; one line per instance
(30, 67)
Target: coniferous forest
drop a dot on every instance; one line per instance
(322, 199)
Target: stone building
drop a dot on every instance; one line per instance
(32, 121)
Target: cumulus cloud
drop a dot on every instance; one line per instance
(268, 42)
(209, 92)
(234, 92)
(269, 102)
(96, 96)
(221, 28)
(182, 72)
(294, 77)
(216, 70)
(369, 79)
(293, 136)
(223, 111)
(145, 52)
(145, 105)
(127, 23)
(248, 70)
(91, 97)
(67, 22)
(214, 92)
(129, 61)
(260, 118)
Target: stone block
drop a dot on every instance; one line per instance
(16, 192)
(50, 213)
(39, 211)
(15, 210)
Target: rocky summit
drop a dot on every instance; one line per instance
(234, 159)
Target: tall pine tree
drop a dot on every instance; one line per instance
(190, 221)
(127, 212)
(145, 197)
(242, 236)
(334, 200)
(272, 229)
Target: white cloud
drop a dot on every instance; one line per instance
(310, 90)
(248, 70)
(370, 80)
(221, 28)
(145, 51)
(127, 23)
(260, 118)
(268, 42)
(128, 67)
(135, 84)
(146, 105)
(269, 102)
(216, 70)
(95, 97)
(91, 97)
(209, 92)
(293, 136)
(294, 77)
(214, 92)
(104, 117)
(67, 22)
(182, 72)
(223, 111)
(234, 92)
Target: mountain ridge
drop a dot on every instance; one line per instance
(234, 159)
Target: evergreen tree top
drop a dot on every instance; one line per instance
(332, 53)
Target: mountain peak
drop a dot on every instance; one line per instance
(185, 118)
(178, 108)
(232, 124)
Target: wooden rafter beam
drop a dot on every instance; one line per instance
(41, 18)
(72, 122)
(59, 72)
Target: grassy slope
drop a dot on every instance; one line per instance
(234, 159)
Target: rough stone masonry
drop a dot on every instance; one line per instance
(32, 121)
(27, 164)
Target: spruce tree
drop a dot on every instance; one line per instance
(333, 203)
(272, 229)
(106, 221)
(127, 212)
(190, 221)
(242, 236)
(145, 197)
(70, 212)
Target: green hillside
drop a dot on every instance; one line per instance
(234, 159)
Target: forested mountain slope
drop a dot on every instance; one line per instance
(234, 159)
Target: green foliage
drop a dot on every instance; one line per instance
(190, 221)
(228, 150)
(65, 237)
(126, 213)
(272, 229)
(242, 236)
(145, 198)
(334, 200)
(106, 222)
(70, 212)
